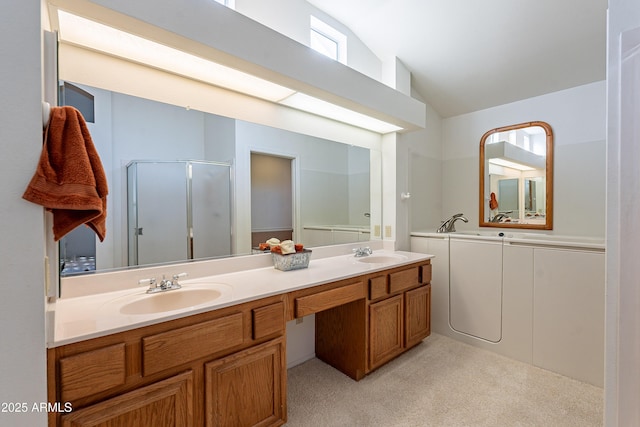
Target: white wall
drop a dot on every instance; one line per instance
(577, 117)
(22, 358)
(291, 18)
(622, 375)
(424, 175)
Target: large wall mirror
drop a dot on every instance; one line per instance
(179, 178)
(168, 139)
(516, 177)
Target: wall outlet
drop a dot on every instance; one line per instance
(376, 231)
(387, 231)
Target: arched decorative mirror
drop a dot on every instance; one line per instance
(516, 177)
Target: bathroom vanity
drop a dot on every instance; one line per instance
(224, 363)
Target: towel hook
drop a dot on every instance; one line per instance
(46, 114)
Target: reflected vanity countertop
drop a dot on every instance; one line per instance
(83, 317)
(520, 238)
(337, 227)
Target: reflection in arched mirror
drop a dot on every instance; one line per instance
(516, 177)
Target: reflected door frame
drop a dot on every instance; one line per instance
(260, 234)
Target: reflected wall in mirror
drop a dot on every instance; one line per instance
(516, 177)
(331, 184)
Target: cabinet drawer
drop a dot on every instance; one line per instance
(425, 273)
(268, 320)
(165, 403)
(378, 287)
(173, 348)
(328, 299)
(404, 279)
(92, 372)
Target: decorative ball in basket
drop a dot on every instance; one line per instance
(287, 255)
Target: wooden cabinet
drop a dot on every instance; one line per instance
(386, 324)
(398, 323)
(391, 315)
(247, 388)
(165, 403)
(225, 367)
(417, 317)
(92, 372)
(168, 349)
(399, 312)
(324, 300)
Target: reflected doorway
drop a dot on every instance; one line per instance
(271, 198)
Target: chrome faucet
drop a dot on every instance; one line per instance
(447, 226)
(360, 252)
(499, 216)
(164, 285)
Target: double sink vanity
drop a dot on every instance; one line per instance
(213, 352)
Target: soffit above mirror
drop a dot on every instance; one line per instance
(216, 33)
(516, 177)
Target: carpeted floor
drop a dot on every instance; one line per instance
(441, 382)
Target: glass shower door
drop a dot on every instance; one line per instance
(178, 210)
(160, 221)
(210, 210)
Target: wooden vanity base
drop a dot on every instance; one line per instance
(227, 367)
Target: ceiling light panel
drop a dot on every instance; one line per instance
(510, 164)
(84, 32)
(317, 106)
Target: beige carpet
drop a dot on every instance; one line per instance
(441, 382)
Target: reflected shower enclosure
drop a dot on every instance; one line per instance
(178, 210)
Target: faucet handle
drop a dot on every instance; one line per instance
(151, 282)
(178, 276)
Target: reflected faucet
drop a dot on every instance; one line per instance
(499, 216)
(447, 226)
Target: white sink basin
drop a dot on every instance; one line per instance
(189, 296)
(381, 259)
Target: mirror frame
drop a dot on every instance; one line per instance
(548, 225)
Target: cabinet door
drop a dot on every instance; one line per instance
(569, 313)
(417, 315)
(475, 288)
(248, 387)
(386, 324)
(165, 403)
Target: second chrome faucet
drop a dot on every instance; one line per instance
(448, 225)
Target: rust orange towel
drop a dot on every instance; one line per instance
(70, 180)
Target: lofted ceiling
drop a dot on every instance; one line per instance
(468, 55)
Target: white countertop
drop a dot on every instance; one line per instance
(84, 317)
(521, 238)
